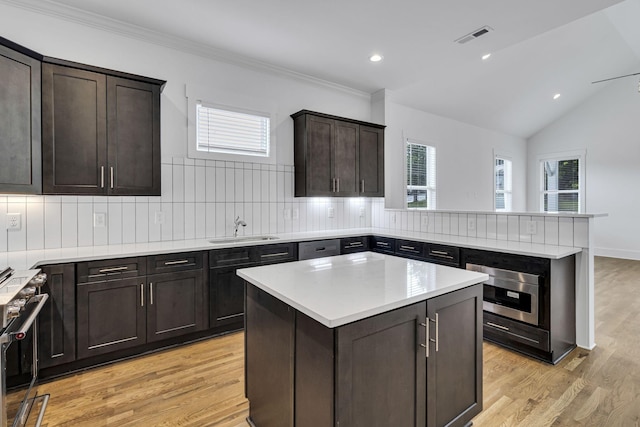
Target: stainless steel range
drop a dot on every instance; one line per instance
(20, 303)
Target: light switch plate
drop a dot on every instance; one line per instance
(287, 213)
(532, 227)
(471, 224)
(99, 220)
(296, 213)
(425, 221)
(158, 217)
(331, 212)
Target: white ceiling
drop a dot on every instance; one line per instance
(538, 48)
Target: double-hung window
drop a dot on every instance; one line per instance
(421, 175)
(562, 184)
(503, 184)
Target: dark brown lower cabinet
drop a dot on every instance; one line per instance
(226, 296)
(175, 304)
(111, 316)
(373, 372)
(57, 320)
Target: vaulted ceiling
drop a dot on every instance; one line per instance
(538, 48)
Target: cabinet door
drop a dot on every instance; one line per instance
(381, 371)
(57, 320)
(175, 303)
(226, 293)
(345, 167)
(20, 130)
(133, 118)
(371, 162)
(111, 316)
(74, 131)
(320, 178)
(454, 366)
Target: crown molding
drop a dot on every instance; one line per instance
(88, 19)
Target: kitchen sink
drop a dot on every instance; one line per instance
(227, 240)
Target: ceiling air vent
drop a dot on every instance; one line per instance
(474, 34)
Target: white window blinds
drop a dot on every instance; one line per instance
(503, 185)
(561, 187)
(232, 132)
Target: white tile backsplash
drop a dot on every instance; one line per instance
(551, 233)
(565, 231)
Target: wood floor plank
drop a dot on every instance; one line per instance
(202, 384)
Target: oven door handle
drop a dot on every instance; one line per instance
(26, 325)
(513, 286)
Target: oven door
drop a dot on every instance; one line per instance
(30, 407)
(512, 299)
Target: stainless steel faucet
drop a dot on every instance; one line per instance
(238, 222)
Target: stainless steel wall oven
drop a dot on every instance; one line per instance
(20, 304)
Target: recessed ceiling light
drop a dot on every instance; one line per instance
(556, 96)
(375, 57)
(485, 57)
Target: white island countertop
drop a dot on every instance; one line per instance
(343, 289)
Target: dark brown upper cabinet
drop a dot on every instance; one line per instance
(100, 131)
(20, 134)
(338, 157)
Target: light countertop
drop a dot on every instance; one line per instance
(24, 260)
(346, 288)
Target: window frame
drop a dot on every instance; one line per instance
(509, 159)
(431, 187)
(231, 102)
(579, 155)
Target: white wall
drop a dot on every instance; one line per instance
(607, 126)
(464, 157)
(199, 198)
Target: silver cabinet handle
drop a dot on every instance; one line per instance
(437, 333)
(504, 328)
(111, 176)
(113, 269)
(338, 180)
(101, 176)
(182, 261)
(382, 244)
(407, 248)
(440, 254)
(426, 342)
(354, 244)
(274, 254)
(150, 293)
(333, 185)
(362, 186)
(141, 294)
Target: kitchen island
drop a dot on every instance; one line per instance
(363, 340)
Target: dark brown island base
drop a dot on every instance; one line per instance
(363, 340)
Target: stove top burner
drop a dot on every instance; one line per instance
(16, 288)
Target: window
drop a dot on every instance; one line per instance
(562, 182)
(503, 184)
(231, 132)
(421, 176)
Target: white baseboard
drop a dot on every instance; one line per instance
(617, 253)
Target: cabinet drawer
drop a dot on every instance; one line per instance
(230, 256)
(318, 249)
(383, 244)
(443, 254)
(169, 263)
(282, 252)
(409, 249)
(514, 334)
(111, 269)
(350, 245)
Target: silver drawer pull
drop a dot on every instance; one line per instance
(440, 255)
(274, 255)
(504, 328)
(182, 261)
(408, 248)
(355, 244)
(113, 269)
(382, 244)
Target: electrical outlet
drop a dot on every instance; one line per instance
(99, 220)
(331, 212)
(471, 224)
(14, 221)
(158, 217)
(362, 212)
(296, 213)
(425, 221)
(287, 213)
(532, 227)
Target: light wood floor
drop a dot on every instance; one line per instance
(202, 384)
